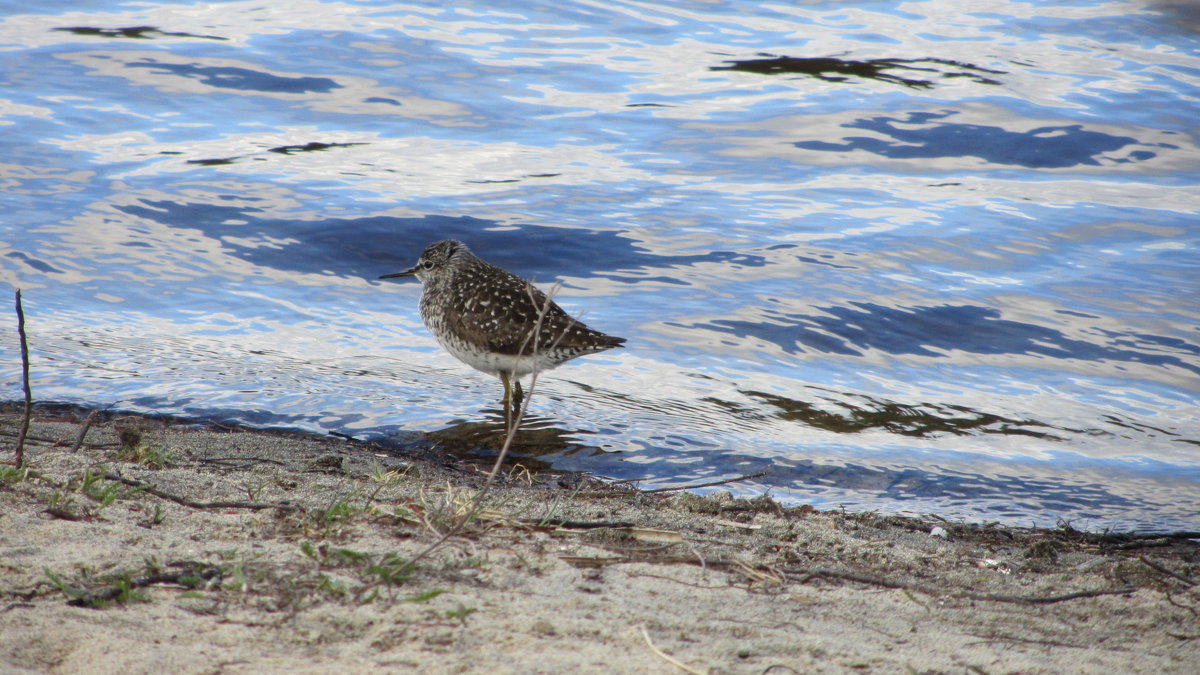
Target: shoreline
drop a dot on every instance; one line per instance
(162, 544)
(460, 448)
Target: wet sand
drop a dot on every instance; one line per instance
(159, 547)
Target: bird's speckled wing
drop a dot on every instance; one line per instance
(499, 309)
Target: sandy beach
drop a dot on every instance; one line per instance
(150, 546)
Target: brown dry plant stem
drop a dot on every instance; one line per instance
(666, 657)
(809, 573)
(694, 486)
(196, 574)
(192, 503)
(1167, 571)
(513, 421)
(20, 458)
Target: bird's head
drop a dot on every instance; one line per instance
(436, 257)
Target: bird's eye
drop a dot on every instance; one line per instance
(427, 264)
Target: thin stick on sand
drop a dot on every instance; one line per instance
(511, 432)
(530, 341)
(666, 657)
(20, 458)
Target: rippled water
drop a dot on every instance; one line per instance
(917, 256)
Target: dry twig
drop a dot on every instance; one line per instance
(191, 503)
(1167, 571)
(665, 657)
(555, 524)
(970, 595)
(518, 415)
(20, 458)
(694, 486)
(87, 424)
(188, 578)
(805, 574)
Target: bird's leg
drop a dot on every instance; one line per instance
(507, 393)
(518, 395)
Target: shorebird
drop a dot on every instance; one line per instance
(495, 321)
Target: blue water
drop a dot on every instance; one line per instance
(917, 257)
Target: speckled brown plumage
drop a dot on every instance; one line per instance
(485, 316)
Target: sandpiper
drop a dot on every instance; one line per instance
(495, 321)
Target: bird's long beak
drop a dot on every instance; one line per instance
(412, 271)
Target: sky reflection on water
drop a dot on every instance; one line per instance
(927, 256)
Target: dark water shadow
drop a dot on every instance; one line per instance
(1183, 15)
(831, 69)
(1051, 147)
(368, 247)
(241, 79)
(132, 33)
(1005, 494)
(932, 331)
(311, 146)
(39, 265)
(537, 438)
(1041, 487)
(867, 413)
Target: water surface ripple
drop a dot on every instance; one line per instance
(921, 256)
